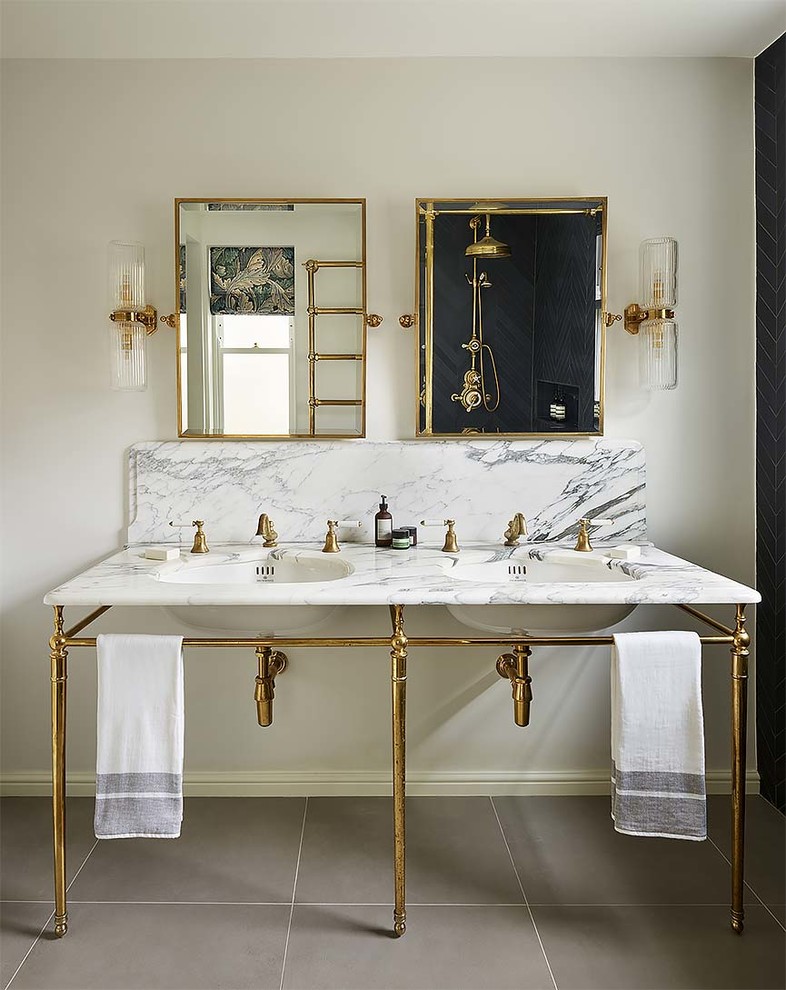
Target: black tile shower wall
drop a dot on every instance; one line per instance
(770, 107)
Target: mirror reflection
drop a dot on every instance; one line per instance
(510, 315)
(272, 317)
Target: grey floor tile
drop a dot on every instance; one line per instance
(765, 845)
(26, 844)
(161, 947)
(20, 924)
(661, 948)
(567, 852)
(230, 849)
(455, 852)
(455, 948)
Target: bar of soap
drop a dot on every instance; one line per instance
(162, 553)
(626, 551)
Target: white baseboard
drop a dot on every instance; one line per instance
(274, 783)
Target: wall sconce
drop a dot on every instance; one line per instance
(653, 319)
(132, 319)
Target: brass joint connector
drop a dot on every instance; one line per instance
(514, 666)
(271, 663)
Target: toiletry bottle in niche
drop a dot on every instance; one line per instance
(383, 525)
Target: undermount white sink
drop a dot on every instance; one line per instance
(277, 568)
(540, 619)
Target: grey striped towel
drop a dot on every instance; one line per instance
(139, 763)
(657, 735)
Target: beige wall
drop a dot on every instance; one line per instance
(98, 150)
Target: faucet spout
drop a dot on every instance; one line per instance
(265, 528)
(517, 527)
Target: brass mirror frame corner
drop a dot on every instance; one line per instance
(425, 205)
(368, 320)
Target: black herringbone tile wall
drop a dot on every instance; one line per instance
(771, 418)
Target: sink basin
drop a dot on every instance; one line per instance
(303, 568)
(278, 568)
(540, 619)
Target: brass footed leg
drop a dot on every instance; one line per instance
(515, 666)
(739, 717)
(398, 675)
(271, 663)
(58, 672)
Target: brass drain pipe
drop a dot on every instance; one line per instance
(515, 666)
(271, 663)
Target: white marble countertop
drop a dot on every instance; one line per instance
(419, 576)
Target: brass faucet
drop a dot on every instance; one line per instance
(331, 540)
(583, 544)
(517, 527)
(200, 540)
(265, 528)
(451, 543)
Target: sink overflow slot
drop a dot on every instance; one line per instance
(266, 572)
(517, 571)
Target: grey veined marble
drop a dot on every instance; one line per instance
(480, 483)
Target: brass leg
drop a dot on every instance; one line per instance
(739, 715)
(58, 657)
(270, 663)
(398, 675)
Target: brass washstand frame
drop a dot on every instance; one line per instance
(512, 666)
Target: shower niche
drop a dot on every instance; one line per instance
(510, 303)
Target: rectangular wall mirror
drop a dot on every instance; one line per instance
(272, 321)
(510, 302)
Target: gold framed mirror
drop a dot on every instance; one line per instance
(510, 317)
(272, 318)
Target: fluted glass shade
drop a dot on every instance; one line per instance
(658, 286)
(658, 354)
(128, 341)
(128, 356)
(126, 275)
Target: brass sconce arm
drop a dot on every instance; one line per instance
(635, 316)
(147, 317)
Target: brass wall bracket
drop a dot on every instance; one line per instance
(407, 321)
(373, 320)
(515, 666)
(147, 317)
(172, 320)
(271, 663)
(609, 319)
(635, 316)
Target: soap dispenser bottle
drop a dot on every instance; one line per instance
(383, 525)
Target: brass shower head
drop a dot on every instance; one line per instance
(487, 246)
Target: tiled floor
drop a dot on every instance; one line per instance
(289, 893)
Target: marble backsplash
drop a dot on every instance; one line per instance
(300, 484)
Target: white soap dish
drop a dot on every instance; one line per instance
(625, 551)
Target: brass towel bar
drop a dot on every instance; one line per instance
(512, 666)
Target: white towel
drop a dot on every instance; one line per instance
(657, 735)
(139, 762)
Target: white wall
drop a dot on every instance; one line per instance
(390, 131)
